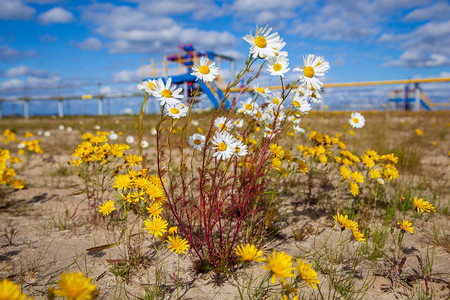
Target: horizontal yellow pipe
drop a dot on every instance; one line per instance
(366, 83)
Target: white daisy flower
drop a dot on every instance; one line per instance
(268, 131)
(238, 123)
(47, 133)
(40, 132)
(153, 131)
(167, 93)
(316, 96)
(197, 141)
(69, 129)
(313, 66)
(97, 127)
(129, 139)
(113, 136)
(21, 145)
(195, 123)
(221, 125)
(204, 71)
(264, 44)
(278, 65)
(357, 120)
(61, 127)
(148, 86)
(240, 148)
(248, 106)
(265, 92)
(301, 104)
(380, 181)
(275, 99)
(298, 129)
(144, 144)
(175, 111)
(224, 144)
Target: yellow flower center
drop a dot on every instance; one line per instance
(277, 67)
(237, 150)
(308, 71)
(276, 101)
(151, 86)
(260, 42)
(222, 146)
(248, 106)
(204, 69)
(260, 90)
(166, 93)
(258, 114)
(355, 120)
(296, 103)
(197, 142)
(222, 126)
(174, 110)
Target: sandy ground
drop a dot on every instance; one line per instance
(50, 235)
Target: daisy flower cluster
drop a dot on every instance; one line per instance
(270, 108)
(169, 96)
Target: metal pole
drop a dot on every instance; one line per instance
(100, 106)
(25, 110)
(417, 100)
(60, 108)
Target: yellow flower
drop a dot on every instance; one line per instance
(280, 264)
(345, 172)
(323, 159)
(344, 221)
(423, 205)
(406, 226)
(419, 132)
(176, 244)
(249, 253)
(357, 177)
(277, 150)
(374, 173)
(354, 188)
(74, 286)
(122, 182)
(133, 160)
(107, 207)
(154, 209)
(77, 162)
(172, 230)
(156, 227)
(359, 236)
(10, 291)
(307, 273)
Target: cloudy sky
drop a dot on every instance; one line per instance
(51, 42)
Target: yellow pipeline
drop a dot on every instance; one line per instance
(366, 83)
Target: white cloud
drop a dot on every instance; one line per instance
(11, 84)
(56, 15)
(136, 31)
(91, 43)
(439, 11)
(35, 82)
(22, 71)
(128, 75)
(47, 38)
(7, 53)
(15, 10)
(426, 46)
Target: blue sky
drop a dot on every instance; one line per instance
(50, 42)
